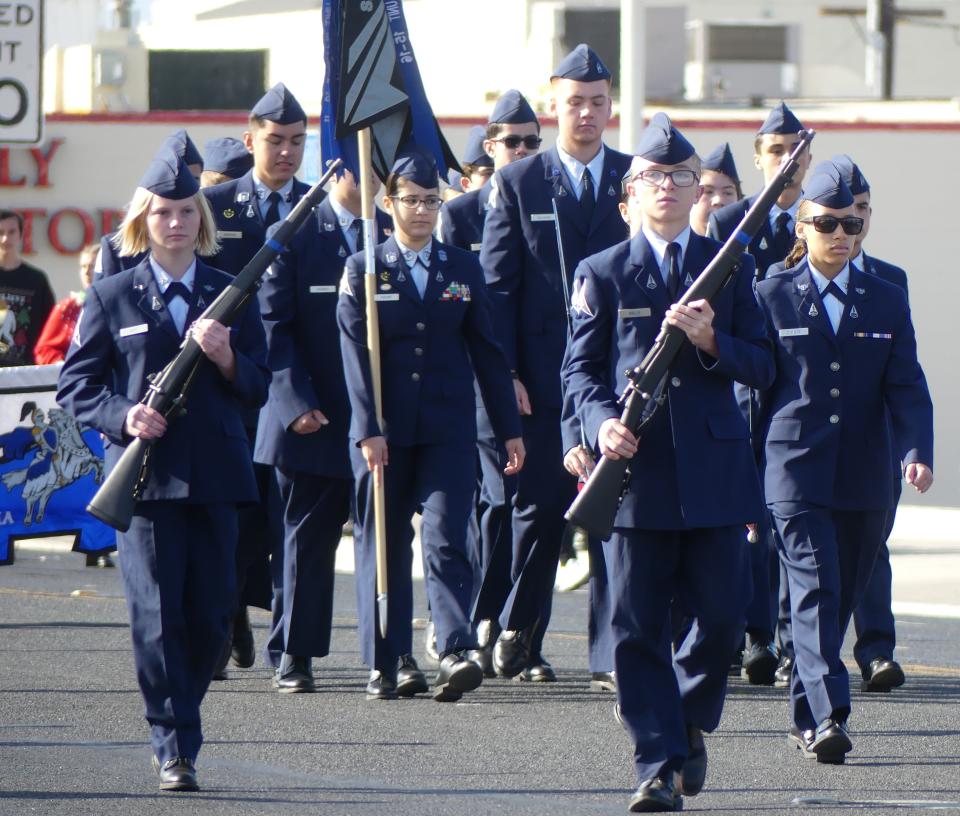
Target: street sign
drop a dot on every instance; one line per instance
(21, 72)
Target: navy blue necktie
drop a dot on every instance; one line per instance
(672, 257)
(588, 200)
(273, 211)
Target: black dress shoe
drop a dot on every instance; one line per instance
(430, 645)
(294, 676)
(882, 674)
(781, 677)
(242, 651)
(511, 654)
(457, 675)
(656, 796)
(410, 680)
(176, 774)
(538, 671)
(483, 657)
(689, 780)
(382, 686)
(603, 681)
(760, 664)
(220, 670)
(802, 740)
(830, 743)
(102, 560)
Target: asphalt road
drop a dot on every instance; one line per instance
(73, 740)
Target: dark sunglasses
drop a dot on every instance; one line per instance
(828, 223)
(513, 142)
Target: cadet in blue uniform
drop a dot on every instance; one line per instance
(847, 375)
(109, 260)
(680, 528)
(521, 263)
(777, 137)
(177, 558)
(512, 133)
(225, 159)
(244, 210)
(720, 183)
(873, 618)
(435, 337)
(303, 428)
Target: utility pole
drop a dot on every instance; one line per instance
(881, 16)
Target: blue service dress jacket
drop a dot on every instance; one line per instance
(694, 467)
(431, 348)
(462, 219)
(826, 437)
(125, 333)
(521, 261)
(240, 228)
(109, 261)
(298, 303)
(764, 247)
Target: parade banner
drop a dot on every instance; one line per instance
(371, 80)
(49, 465)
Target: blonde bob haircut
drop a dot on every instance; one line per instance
(132, 237)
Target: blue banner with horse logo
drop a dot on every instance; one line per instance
(50, 466)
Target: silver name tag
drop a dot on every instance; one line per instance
(322, 290)
(795, 332)
(221, 234)
(541, 216)
(628, 313)
(393, 296)
(476, 247)
(129, 330)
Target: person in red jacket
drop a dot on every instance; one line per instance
(54, 339)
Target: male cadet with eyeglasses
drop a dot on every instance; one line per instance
(777, 138)
(304, 425)
(679, 530)
(873, 618)
(579, 176)
(244, 210)
(109, 261)
(512, 133)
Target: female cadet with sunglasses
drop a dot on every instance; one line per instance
(435, 337)
(845, 355)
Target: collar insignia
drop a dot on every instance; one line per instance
(243, 198)
(813, 310)
(854, 313)
(228, 213)
(651, 283)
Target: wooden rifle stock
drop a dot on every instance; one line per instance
(595, 507)
(114, 502)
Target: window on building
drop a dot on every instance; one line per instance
(601, 29)
(746, 43)
(206, 80)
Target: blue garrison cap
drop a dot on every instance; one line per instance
(662, 143)
(781, 120)
(721, 161)
(453, 179)
(474, 153)
(168, 176)
(512, 108)
(416, 166)
(827, 187)
(851, 173)
(228, 156)
(280, 106)
(581, 64)
(183, 146)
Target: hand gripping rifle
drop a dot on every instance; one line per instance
(167, 392)
(595, 507)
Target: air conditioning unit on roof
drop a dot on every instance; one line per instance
(735, 60)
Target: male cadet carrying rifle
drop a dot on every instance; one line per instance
(579, 176)
(693, 483)
(777, 137)
(512, 133)
(303, 428)
(244, 210)
(873, 617)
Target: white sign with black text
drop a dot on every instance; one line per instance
(21, 72)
